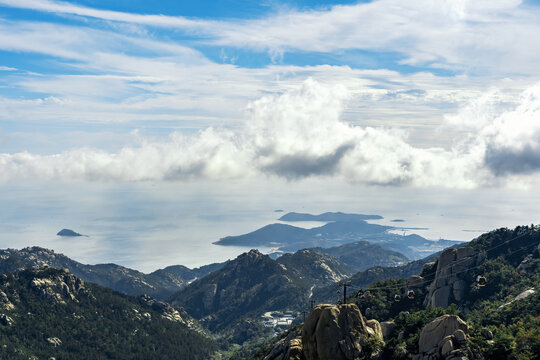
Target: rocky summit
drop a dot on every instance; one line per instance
(330, 332)
(340, 333)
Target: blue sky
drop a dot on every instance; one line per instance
(416, 96)
(107, 80)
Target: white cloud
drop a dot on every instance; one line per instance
(301, 133)
(512, 139)
(7, 68)
(485, 36)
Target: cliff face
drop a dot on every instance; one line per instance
(455, 270)
(453, 273)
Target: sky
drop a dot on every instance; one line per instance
(432, 101)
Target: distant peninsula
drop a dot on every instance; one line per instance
(340, 229)
(68, 232)
(328, 216)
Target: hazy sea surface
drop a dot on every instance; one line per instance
(147, 226)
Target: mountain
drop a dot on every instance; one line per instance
(159, 284)
(52, 314)
(327, 216)
(187, 274)
(318, 268)
(477, 301)
(253, 284)
(290, 238)
(362, 255)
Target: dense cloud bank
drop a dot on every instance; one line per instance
(300, 133)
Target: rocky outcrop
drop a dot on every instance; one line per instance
(339, 333)
(525, 294)
(6, 320)
(54, 341)
(374, 329)
(287, 347)
(167, 311)
(209, 293)
(323, 269)
(57, 287)
(444, 338)
(387, 328)
(438, 329)
(486, 333)
(452, 276)
(5, 303)
(525, 264)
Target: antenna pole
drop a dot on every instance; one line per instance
(345, 284)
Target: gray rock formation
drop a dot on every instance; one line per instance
(525, 294)
(438, 329)
(444, 338)
(58, 288)
(6, 320)
(5, 304)
(525, 264)
(486, 333)
(54, 341)
(387, 328)
(453, 275)
(173, 313)
(288, 347)
(339, 333)
(414, 281)
(374, 329)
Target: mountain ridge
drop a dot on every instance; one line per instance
(159, 284)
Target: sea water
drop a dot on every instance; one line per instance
(148, 225)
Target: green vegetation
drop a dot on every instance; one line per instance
(91, 322)
(515, 324)
(503, 315)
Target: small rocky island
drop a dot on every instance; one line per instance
(68, 232)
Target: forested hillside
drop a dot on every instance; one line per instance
(50, 313)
